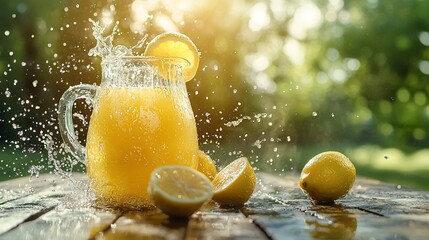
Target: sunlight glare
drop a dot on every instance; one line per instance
(140, 15)
(257, 62)
(338, 75)
(259, 17)
(294, 50)
(165, 23)
(265, 83)
(167, 14)
(107, 15)
(279, 10)
(307, 17)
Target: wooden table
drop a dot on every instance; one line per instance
(49, 207)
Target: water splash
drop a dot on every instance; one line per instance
(7, 93)
(63, 167)
(258, 143)
(35, 170)
(104, 43)
(256, 118)
(237, 122)
(104, 46)
(50, 144)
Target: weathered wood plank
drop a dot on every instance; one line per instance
(278, 217)
(209, 223)
(16, 188)
(15, 212)
(82, 223)
(282, 210)
(219, 223)
(150, 224)
(369, 226)
(277, 210)
(388, 199)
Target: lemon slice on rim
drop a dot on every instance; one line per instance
(179, 191)
(234, 185)
(174, 44)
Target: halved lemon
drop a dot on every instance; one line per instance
(179, 191)
(206, 165)
(174, 44)
(234, 185)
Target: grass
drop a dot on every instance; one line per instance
(392, 165)
(385, 164)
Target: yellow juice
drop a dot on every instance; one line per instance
(132, 131)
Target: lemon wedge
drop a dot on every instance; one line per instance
(173, 44)
(179, 191)
(206, 165)
(234, 185)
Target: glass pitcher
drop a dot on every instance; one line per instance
(141, 119)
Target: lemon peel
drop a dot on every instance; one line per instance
(327, 177)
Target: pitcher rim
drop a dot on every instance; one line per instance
(179, 60)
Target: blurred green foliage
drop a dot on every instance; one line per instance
(294, 74)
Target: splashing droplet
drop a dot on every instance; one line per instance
(105, 47)
(7, 93)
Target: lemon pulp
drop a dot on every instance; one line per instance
(173, 44)
(178, 190)
(206, 165)
(234, 185)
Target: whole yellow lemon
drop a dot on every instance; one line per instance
(327, 177)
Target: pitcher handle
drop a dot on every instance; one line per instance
(65, 118)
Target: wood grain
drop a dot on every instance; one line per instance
(51, 208)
